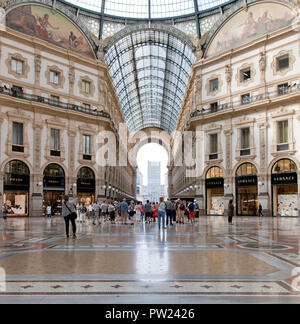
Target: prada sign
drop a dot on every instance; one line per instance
(214, 183)
(246, 181)
(56, 182)
(16, 181)
(284, 178)
(85, 185)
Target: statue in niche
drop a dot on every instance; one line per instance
(262, 62)
(228, 73)
(37, 64)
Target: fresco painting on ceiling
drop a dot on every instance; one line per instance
(48, 25)
(260, 19)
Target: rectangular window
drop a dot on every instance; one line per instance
(54, 77)
(17, 134)
(213, 143)
(245, 138)
(17, 66)
(283, 89)
(54, 139)
(283, 132)
(245, 75)
(86, 87)
(214, 85)
(87, 145)
(283, 62)
(214, 107)
(245, 99)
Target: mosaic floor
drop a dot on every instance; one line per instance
(254, 260)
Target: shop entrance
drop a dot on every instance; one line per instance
(16, 188)
(54, 188)
(214, 187)
(246, 190)
(86, 186)
(285, 188)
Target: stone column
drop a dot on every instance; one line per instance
(228, 176)
(72, 179)
(263, 196)
(36, 179)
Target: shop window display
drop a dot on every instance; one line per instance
(214, 184)
(285, 188)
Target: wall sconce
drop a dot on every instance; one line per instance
(260, 183)
(226, 185)
(39, 184)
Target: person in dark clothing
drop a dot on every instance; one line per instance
(69, 207)
(260, 210)
(230, 211)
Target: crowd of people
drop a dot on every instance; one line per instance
(164, 213)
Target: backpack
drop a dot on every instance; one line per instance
(181, 207)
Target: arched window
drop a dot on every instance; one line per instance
(284, 166)
(246, 169)
(54, 170)
(86, 173)
(16, 167)
(214, 172)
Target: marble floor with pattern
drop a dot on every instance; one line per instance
(256, 260)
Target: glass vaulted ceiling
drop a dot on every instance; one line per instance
(150, 71)
(148, 9)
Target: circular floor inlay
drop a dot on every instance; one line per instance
(264, 246)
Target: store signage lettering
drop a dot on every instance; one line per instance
(247, 181)
(214, 183)
(284, 178)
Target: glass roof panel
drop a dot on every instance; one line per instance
(150, 71)
(140, 8)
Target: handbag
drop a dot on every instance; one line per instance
(72, 215)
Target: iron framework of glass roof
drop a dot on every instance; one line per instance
(150, 71)
(148, 9)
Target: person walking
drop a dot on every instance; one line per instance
(4, 211)
(148, 211)
(161, 213)
(142, 213)
(124, 211)
(104, 211)
(131, 210)
(191, 209)
(69, 214)
(181, 211)
(48, 210)
(82, 213)
(169, 212)
(112, 213)
(138, 212)
(230, 211)
(260, 210)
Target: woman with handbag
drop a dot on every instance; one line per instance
(69, 213)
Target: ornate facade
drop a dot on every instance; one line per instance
(246, 114)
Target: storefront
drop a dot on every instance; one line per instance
(214, 188)
(247, 190)
(16, 188)
(86, 186)
(54, 188)
(285, 188)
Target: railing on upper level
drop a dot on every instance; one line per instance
(247, 100)
(54, 103)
